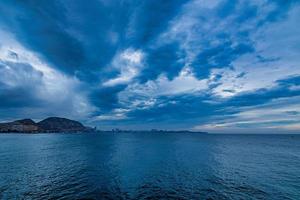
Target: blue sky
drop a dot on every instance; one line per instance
(214, 65)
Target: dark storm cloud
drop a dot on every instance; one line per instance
(82, 37)
(150, 18)
(219, 57)
(167, 59)
(106, 98)
(11, 93)
(41, 26)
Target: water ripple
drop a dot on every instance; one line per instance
(137, 166)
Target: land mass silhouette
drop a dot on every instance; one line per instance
(48, 125)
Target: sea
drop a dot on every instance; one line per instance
(149, 166)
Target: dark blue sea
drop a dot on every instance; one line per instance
(149, 166)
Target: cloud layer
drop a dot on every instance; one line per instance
(219, 65)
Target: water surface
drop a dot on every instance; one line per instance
(149, 166)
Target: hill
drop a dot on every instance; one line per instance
(49, 125)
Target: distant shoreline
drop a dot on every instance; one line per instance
(109, 132)
(63, 125)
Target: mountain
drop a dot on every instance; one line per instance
(24, 125)
(57, 124)
(49, 125)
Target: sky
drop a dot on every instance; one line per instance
(210, 65)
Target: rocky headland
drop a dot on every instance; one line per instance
(49, 125)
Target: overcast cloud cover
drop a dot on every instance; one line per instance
(215, 65)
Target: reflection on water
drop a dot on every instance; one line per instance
(149, 166)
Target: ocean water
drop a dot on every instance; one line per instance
(149, 166)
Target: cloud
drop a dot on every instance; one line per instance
(116, 114)
(186, 82)
(281, 114)
(30, 87)
(145, 25)
(219, 64)
(42, 30)
(129, 64)
(18, 80)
